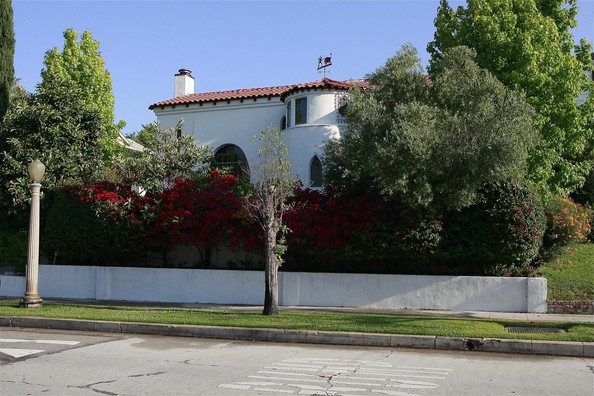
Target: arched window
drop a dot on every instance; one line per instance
(316, 174)
(232, 158)
(283, 123)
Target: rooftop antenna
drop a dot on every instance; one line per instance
(324, 63)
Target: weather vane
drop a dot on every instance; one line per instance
(324, 63)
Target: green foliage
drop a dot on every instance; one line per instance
(80, 233)
(568, 223)
(7, 43)
(500, 235)
(527, 44)
(167, 155)
(570, 276)
(55, 126)
(432, 144)
(144, 135)
(13, 246)
(485, 129)
(83, 64)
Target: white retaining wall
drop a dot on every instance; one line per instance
(466, 293)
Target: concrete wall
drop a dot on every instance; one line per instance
(296, 289)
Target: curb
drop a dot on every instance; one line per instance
(560, 348)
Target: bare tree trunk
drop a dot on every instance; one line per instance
(271, 266)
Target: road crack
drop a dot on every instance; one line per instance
(146, 375)
(90, 387)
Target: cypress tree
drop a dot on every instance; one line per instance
(6, 54)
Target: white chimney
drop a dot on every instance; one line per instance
(184, 83)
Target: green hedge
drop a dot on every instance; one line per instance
(76, 234)
(501, 235)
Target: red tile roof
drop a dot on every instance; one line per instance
(321, 84)
(251, 93)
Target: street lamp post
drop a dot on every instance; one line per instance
(32, 298)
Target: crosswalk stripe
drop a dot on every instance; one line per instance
(54, 342)
(17, 353)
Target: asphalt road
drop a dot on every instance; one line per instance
(50, 362)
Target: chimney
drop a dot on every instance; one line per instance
(184, 83)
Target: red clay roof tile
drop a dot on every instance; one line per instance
(282, 91)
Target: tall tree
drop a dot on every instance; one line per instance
(528, 44)
(268, 204)
(6, 54)
(83, 64)
(432, 144)
(53, 125)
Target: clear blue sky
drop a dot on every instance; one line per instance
(227, 44)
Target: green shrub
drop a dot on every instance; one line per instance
(13, 247)
(77, 234)
(567, 223)
(501, 235)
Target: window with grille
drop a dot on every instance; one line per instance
(230, 157)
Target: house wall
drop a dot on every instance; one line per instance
(464, 293)
(237, 122)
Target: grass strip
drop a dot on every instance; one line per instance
(321, 321)
(570, 276)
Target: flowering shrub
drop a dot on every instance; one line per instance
(105, 221)
(567, 223)
(337, 232)
(206, 216)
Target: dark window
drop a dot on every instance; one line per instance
(316, 174)
(232, 158)
(283, 123)
(340, 102)
(300, 111)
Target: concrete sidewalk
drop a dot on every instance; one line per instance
(578, 349)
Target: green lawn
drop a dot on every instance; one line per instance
(571, 275)
(370, 323)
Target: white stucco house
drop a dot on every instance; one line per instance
(311, 113)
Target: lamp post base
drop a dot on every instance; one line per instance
(31, 302)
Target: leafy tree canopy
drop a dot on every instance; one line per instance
(167, 155)
(55, 126)
(432, 143)
(82, 63)
(528, 44)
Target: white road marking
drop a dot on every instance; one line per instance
(297, 365)
(363, 378)
(393, 393)
(260, 383)
(311, 376)
(233, 386)
(334, 381)
(273, 390)
(401, 371)
(54, 342)
(287, 379)
(292, 368)
(283, 373)
(17, 353)
(424, 368)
